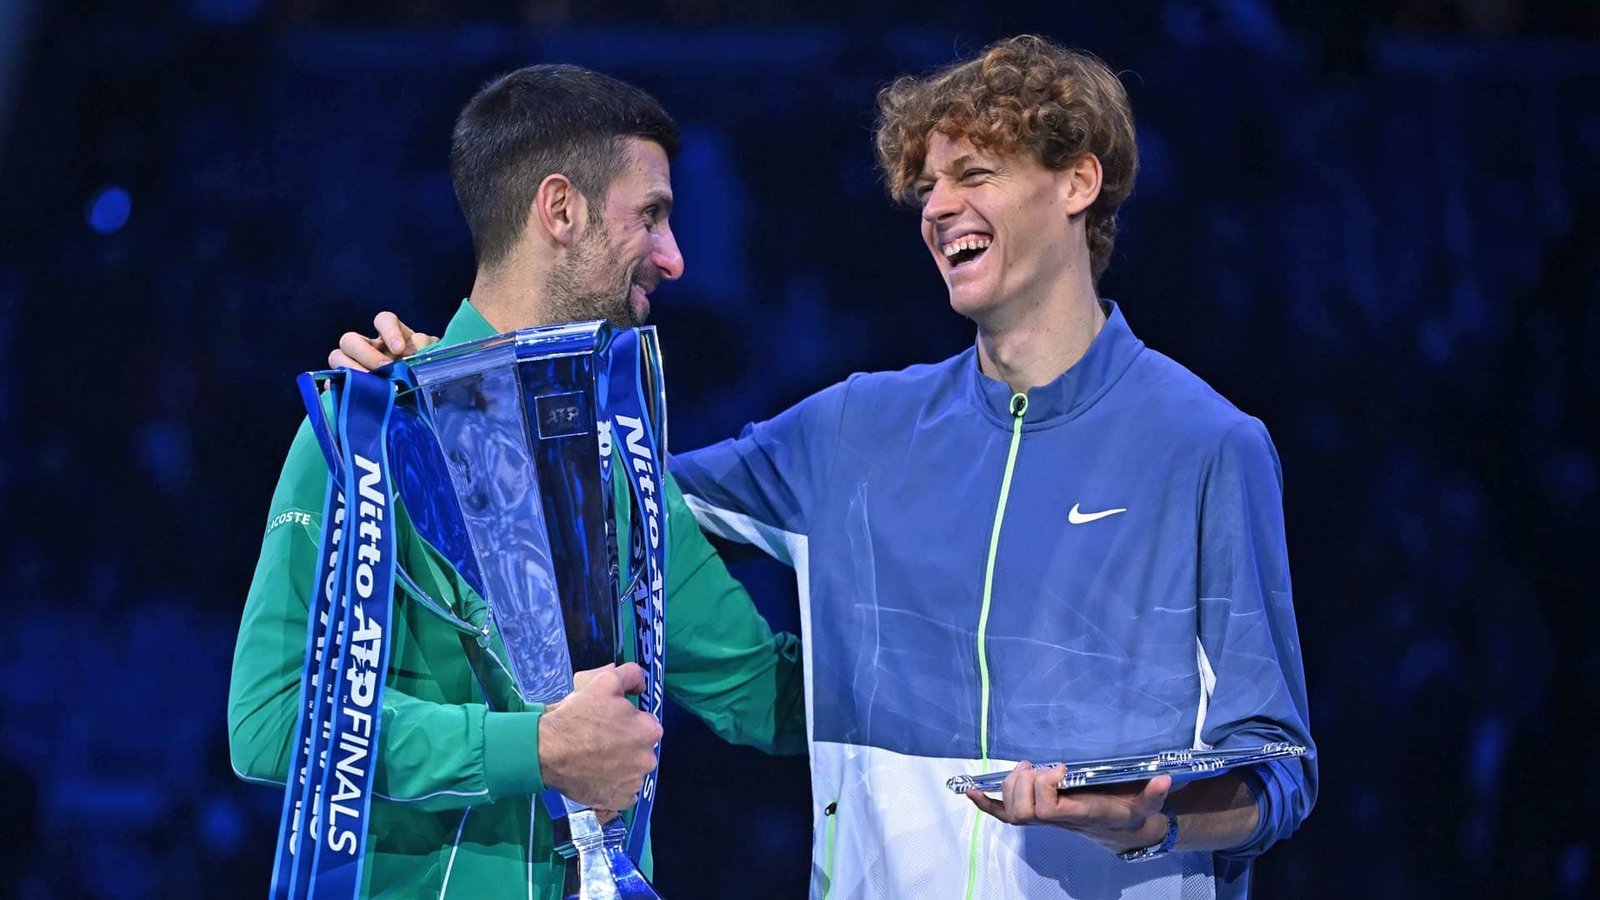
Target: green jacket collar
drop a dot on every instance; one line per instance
(466, 325)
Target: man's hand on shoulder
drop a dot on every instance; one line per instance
(595, 746)
(1118, 817)
(395, 341)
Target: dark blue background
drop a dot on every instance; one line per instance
(1371, 224)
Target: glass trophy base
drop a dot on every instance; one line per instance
(1182, 765)
(598, 865)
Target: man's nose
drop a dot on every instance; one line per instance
(941, 202)
(666, 256)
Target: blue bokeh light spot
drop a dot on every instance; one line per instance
(222, 824)
(109, 210)
(1575, 868)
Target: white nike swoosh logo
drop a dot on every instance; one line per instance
(1081, 518)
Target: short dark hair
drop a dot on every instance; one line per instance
(528, 124)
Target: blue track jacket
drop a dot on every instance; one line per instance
(1135, 600)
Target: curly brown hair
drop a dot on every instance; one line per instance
(1021, 94)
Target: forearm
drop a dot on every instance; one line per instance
(436, 754)
(746, 685)
(441, 756)
(1248, 633)
(724, 663)
(1214, 813)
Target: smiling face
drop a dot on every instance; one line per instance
(1003, 229)
(618, 260)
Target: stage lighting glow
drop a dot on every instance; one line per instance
(109, 210)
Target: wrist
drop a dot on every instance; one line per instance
(1156, 837)
(1150, 831)
(554, 751)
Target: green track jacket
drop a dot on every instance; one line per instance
(455, 812)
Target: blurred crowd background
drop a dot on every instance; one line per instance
(1372, 224)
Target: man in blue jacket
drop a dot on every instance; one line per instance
(1059, 544)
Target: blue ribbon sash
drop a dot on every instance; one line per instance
(327, 801)
(634, 423)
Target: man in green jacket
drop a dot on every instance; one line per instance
(563, 176)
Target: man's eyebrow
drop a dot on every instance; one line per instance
(954, 165)
(662, 199)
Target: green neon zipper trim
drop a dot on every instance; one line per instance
(832, 815)
(1019, 409)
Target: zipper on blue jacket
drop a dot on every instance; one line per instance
(830, 816)
(1019, 409)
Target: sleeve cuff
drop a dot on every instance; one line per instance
(511, 753)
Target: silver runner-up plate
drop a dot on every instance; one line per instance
(1182, 765)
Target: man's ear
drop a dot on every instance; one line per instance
(1080, 184)
(559, 209)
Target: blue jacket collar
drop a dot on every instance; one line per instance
(1072, 392)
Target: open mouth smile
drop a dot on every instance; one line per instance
(966, 249)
